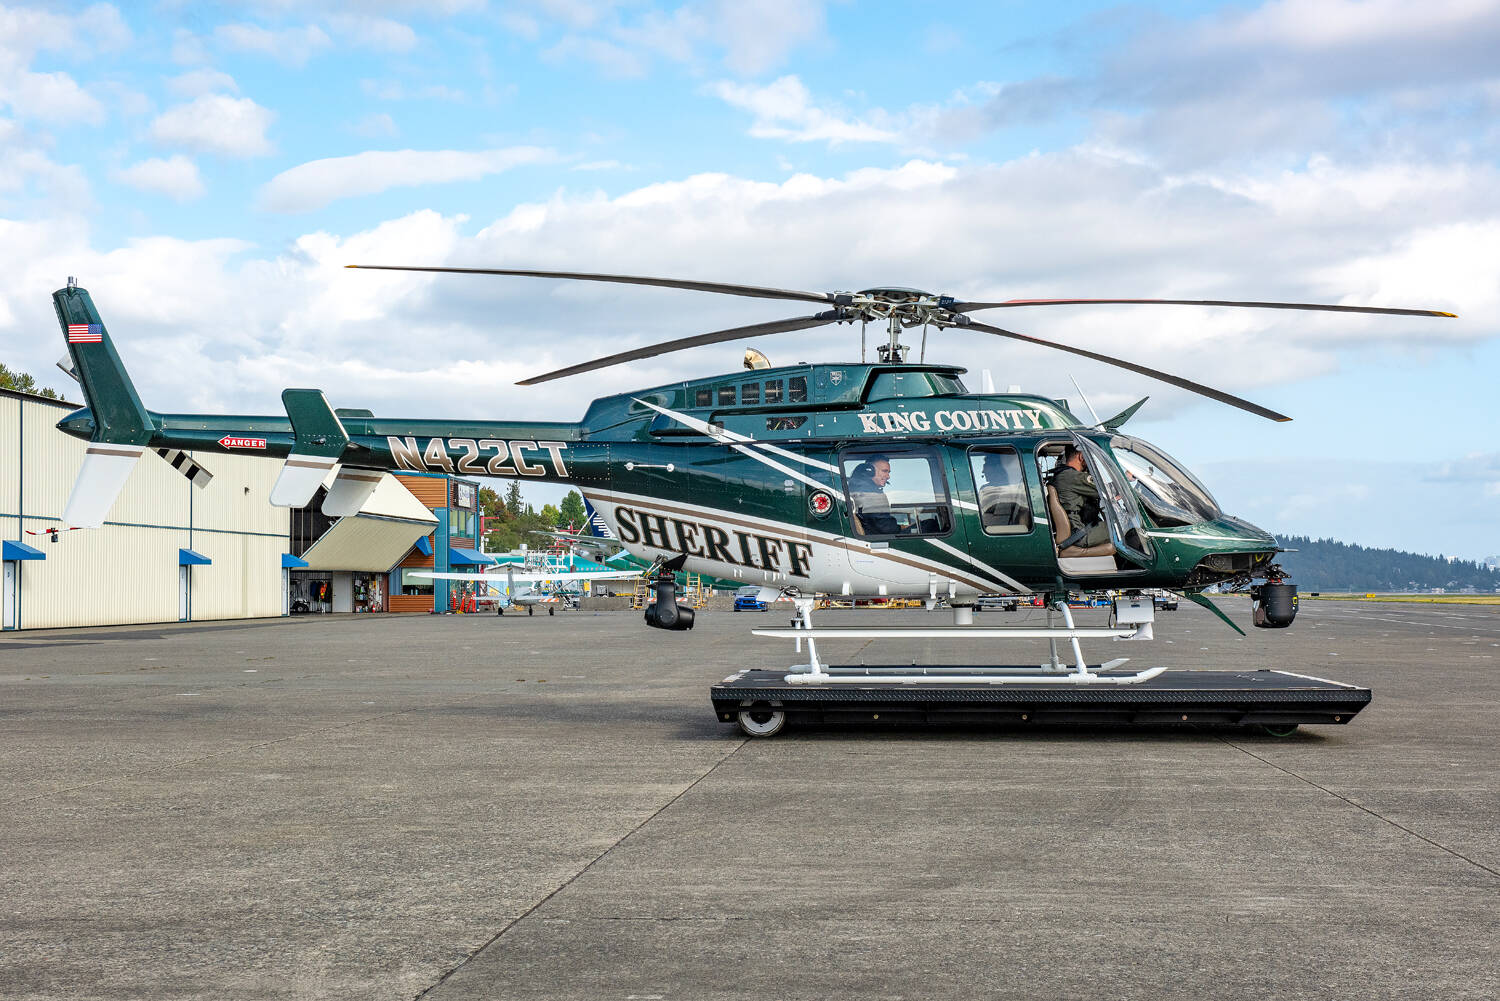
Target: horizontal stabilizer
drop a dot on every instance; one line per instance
(350, 491)
(105, 470)
(301, 476)
(184, 464)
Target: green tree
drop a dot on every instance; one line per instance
(22, 382)
(571, 510)
(550, 516)
(513, 502)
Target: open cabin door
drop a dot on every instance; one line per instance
(1118, 506)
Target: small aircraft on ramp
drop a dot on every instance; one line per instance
(547, 587)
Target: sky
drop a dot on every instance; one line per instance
(206, 170)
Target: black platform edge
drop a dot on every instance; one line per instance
(1222, 697)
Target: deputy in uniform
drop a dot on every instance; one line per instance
(1079, 497)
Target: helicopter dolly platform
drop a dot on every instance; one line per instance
(762, 702)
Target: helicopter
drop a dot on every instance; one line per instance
(764, 476)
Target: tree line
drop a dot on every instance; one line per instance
(1329, 565)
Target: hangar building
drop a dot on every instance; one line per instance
(172, 552)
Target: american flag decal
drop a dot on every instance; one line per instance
(85, 333)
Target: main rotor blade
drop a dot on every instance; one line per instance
(664, 347)
(754, 291)
(969, 307)
(1181, 383)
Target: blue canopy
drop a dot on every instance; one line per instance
(424, 545)
(290, 562)
(458, 557)
(20, 551)
(189, 558)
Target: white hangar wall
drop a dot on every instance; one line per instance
(128, 571)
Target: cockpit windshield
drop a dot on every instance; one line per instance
(1169, 493)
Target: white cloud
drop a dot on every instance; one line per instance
(202, 81)
(52, 97)
(614, 61)
(292, 46)
(379, 33)
(379, 125)
(784, 109)
(758, 36)
(176, 177)
(316, 183)
(214, 123)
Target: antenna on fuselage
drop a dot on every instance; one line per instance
(1085, 400)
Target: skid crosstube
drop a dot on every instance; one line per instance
(1233, 698)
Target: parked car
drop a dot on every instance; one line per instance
(747, 599)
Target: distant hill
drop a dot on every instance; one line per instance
(1326, 565)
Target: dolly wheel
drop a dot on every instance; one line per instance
(551, 610)
(761, 721)
(530, 610)
(1278, 729)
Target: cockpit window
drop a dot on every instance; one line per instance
(1168, 492)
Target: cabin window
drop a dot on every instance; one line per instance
(726, 396)
(750, 392)
(796, 389)
(1004, 507)
(773, 391)
(703, 398)
(1169, 493)
(896, 493)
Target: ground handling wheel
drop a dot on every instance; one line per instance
(761, 720)
(530, 610)
(1277, 729)
(551, 610)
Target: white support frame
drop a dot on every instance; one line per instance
(815, 672)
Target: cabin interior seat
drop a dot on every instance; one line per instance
(1076, 559)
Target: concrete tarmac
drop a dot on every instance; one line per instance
(455, 807)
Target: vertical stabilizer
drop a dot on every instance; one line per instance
(122, 427)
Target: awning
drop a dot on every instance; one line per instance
(189, 558)
(424, 546)
(290, 562)
(20, 551)
(458, 557)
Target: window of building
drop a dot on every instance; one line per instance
(726, 396)
(796, 389)
(773, 391)
(897, 492)
(1003, 505)
(461, 522)
(703, 398)
(750, 392)
(415, 585)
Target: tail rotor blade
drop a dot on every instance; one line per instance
(1178, 381)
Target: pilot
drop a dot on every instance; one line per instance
(1079, 498)
(1002, 497)
(867, 491)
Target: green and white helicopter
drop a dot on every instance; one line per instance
(761, 475)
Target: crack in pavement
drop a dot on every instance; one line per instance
(580, 873)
